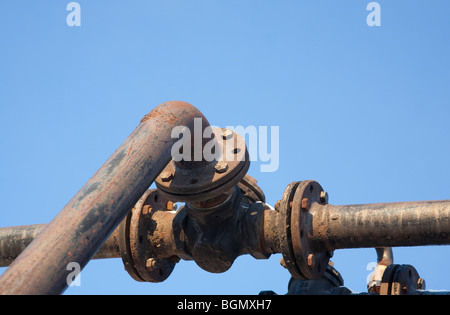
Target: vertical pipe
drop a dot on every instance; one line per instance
(84, 224)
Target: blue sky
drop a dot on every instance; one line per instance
(362, 110)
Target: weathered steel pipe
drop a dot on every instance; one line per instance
(14, 240)
(84, 224)
(306, 229)
(379, 225)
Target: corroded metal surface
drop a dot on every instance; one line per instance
(380, 225)
(306, 230)
(286, 230)
(148, 232)
(225, 216)
(80, 229)
(202, 180)
(400, 280)
(251, 190)
(14, 240)
(311, 264)
(385, 258)
(303, 227)
(330, 283)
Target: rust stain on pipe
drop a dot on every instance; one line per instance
(380, 225)
(14, 240)
(84, 224)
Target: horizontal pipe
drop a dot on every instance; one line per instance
(379, 225)
(14, 240)
(84, 224)
(330, 227)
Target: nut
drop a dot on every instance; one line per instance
(323, 197)
(166, 176)
(305, 204)
(146, 209)
(171, 206)
(311, 260)
(221, 167)
(421, 284)
(150, 264)
(227, 134)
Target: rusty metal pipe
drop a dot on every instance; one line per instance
(306, 229)
(84, 224)
(379, 225)
(14, 240)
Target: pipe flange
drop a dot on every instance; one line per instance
(301, 260)
(205, 180)
(135, 242)
(400, 280)
(284, 228)
(251, 190)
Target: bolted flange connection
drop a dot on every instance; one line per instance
(152, 238)
(302, 227)
(225, 161)
(401, 280)
(137, 246)
(302, 261)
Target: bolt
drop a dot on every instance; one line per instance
(166, 176)
(311, 260)
(221, 167)
(171, 206)
(146, 209)
(305, 204)
(323, 197)
(405, 289)
(150, 264)
(421, 284)
(227, 134)
(283, 263)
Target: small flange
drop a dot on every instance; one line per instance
(207, 179)
(301, 261)
(400, 280)
(135, 243)
(251, 190)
